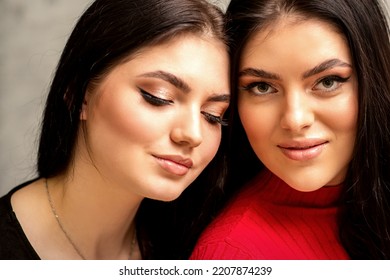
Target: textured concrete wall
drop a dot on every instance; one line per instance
(32, 35)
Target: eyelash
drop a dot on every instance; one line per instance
(332, 78)
(251, 86)
(337, 79)
(214, 119)
(156, 101)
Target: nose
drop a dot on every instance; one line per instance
(187, 128)
(297, 113)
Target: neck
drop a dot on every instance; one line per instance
(98, 216)
(281, 193)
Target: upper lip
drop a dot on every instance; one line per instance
(187, 162)
(302, 143)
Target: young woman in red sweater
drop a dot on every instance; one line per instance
(309, 134)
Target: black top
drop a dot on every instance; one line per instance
(14, 244)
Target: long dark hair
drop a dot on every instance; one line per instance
(107, 34)
(365, 221)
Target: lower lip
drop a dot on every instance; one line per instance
(172, 167)
(303, 154)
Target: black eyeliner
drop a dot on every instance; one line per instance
(334, 78)
(154, 100)
(214, 119)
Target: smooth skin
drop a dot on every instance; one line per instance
(150, 126)
(153, 122)
(298, 101)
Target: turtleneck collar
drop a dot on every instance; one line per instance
(276, 191)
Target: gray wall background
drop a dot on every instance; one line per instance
(32, 36)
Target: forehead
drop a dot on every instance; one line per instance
(292, 37)
(201, 62)
(187, 56)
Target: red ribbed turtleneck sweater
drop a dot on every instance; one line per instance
(271, 221)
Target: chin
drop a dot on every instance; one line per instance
(168, 195)
(304, 185)
(306, 188)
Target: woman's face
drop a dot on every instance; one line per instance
(153, 123)
(298, 102)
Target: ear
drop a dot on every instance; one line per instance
(84, 107)
(84, 112)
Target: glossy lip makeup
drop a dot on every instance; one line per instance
(303, 150)
(173, 164)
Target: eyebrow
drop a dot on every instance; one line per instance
(183, 86)
(219, 98)
(258, 73)
(170, 78)
(328, 64)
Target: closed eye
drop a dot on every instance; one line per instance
(154, 100)
(214, 119)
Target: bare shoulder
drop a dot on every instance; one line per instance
(29, 198)
(32, 211)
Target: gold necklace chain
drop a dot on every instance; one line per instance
(67, 235)
(60, 224)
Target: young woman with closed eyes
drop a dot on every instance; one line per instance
(310, 135)
(133, 116)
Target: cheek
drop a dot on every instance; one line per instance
(119, 120)
(210, 144)
(343, 118)
(256, 122)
